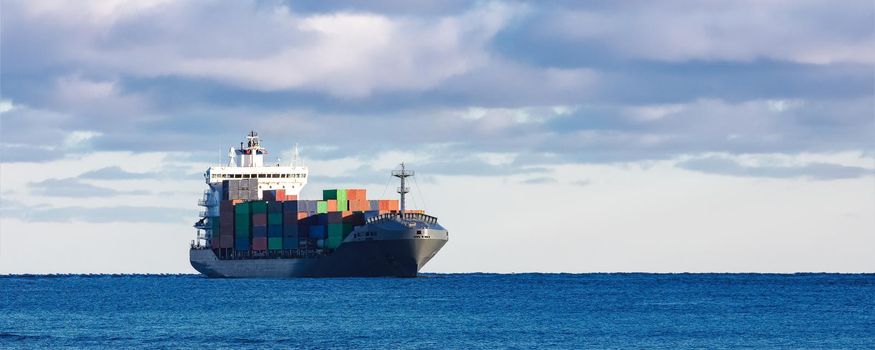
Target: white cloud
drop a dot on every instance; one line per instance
(796, 31)
(345, 54)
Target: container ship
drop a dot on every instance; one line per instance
(255, 225)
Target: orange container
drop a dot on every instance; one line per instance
(332, 204)
(303, 215)
(291, 197)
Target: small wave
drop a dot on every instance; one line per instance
(18, 337)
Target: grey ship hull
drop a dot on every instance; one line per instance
(392, 253)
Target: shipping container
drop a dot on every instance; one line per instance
(290, 242)
(274, 195)
(291, 197)
(275, 243)
(374, 204)
(292, 206)
(289, 217)
(321, 206)
(347, 229)
(289, 229)
(334, 217)
(259, 219)
(355, 194)
(259, 243)
(259, 231)
(332, 205)
(243, 208)
(358, 205)
(274, 230)
(241, 244)
(303, 215)
(275, 218)
(226, 241)
(258, 207)
(274, 207)
(316, 231)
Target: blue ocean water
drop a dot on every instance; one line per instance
(441, 311)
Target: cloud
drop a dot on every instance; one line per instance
(539, 180)
(556, 82)
(797, 31)
(814, 170)
(75, 188)
(114, 173)
(132, 214)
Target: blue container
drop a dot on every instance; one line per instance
(259, 231)
(275, 207)
(290, 230)
(241, 244)
(291, 206)
(274, 230)
(317, 231)
(290, 242)
(374, 204)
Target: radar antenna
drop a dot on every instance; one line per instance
(403, 190)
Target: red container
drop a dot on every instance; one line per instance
(356, 194)
(393, 205)
(292, 197)
(259, 243)
(303, 215)
(290, 216)
(332, 205)
(359, 205)
(226, 241)
(259, 219)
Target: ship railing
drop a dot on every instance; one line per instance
(405, 217)
(202, 202)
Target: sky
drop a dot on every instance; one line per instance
(547, 136)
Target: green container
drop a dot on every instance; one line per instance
(243, 208)
(335, 235)
(259, 207)
(241, 227)
(342, 205)
(347, 229)
(329, 194)
(275, 243)
(274, 218)
(321, 207)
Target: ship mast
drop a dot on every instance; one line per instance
(402, 174)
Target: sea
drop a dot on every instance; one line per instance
(441, 311)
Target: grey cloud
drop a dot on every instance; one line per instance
(539, 180)
(114, 173)
(75, 188)
(77, 78)
(95, 215)
(815, 171)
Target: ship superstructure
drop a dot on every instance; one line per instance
(255, 225)
(247, 162)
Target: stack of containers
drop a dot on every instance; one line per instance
(275, 225)
(290, 224)
(242, 223)
(321, 207)
(274, 195)
(339, 196)
(226, 224)
(334, 229)
(214, 232)
(259, 225)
